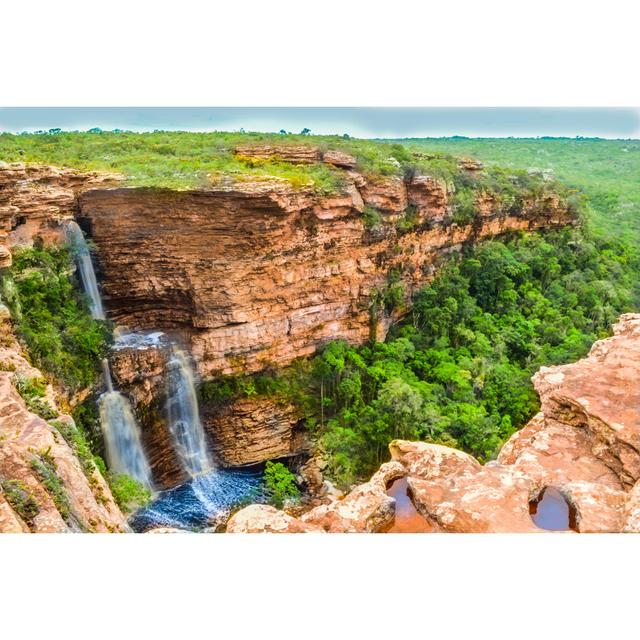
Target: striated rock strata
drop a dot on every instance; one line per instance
(585, 442)
(251, 430)
(258, 274)
(34, 198)
(242, 432)
(254, 274)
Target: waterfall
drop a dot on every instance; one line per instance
(122, 434)
(82, 256)
(121, 431)
(183, 415)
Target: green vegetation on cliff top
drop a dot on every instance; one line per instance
(186, 160)
(607, 171)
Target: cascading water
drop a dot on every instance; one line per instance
(122, 434)
(211, 491)
(82, 256)
(183, 415)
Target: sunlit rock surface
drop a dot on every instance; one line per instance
(258, 274)
(35, 198)
(24, 435)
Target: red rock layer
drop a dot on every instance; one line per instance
(260, 274)
(34, 198)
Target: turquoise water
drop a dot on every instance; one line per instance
(201, 501)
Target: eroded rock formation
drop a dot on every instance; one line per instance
(242, 432)
(251, 430)
(585, 442)
(34, 198)
(251, 274)
(44, 485)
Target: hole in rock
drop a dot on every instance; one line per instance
(407, 519)
(551, 511)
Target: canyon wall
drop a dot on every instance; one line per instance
(257, 274)
(584, 442)
(35, 198)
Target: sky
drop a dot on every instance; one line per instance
(362, 122)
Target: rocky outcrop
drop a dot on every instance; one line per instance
(138, 366)
(241, 432)
(298, 154)
(258, 274)
(584, 442)
(366, 509)
(45, 486)
(34, 198)
(251, 430)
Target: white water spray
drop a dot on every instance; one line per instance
(82, 256)
(183, 415)
(122, 434)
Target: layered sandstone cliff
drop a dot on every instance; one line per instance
(35, 198)
(257, 273)
(585, 442)
(45, 485)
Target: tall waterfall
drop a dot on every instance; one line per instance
(183, 415)
(122, 434)
(82, 256)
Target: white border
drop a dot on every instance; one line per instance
(418, 53)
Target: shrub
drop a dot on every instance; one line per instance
(21, 500)
(45, 468)
(280, 484)
(372, 218)
(128, 493)
(464, 207)
(33, 391)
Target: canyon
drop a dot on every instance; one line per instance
(584, 443)
(248, 275)
(251, 275)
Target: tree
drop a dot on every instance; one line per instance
(280, 484)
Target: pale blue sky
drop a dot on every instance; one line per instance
(356, 121)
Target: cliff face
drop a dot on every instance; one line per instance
(243, 432)
(33, 200)
(585, 442)
(45, 486)
(260, 274)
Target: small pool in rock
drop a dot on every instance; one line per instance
(407, 520)
(197, 504)
(551, 511)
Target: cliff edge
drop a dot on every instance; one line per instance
(585, 443)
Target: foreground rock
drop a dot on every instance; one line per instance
(44, 486)
(366, 509)
(585, 442)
